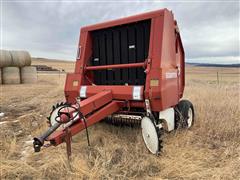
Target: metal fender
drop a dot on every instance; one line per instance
(167, 116)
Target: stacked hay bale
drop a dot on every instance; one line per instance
(11, 75)
(28, 74)
(15, 68)
(6, 59)
(20, 58)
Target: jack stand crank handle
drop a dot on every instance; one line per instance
(39, 141)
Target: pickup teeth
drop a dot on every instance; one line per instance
(119, 121)
(53, 108)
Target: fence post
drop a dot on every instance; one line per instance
(59, 77)
(37, 75)
(217, 78)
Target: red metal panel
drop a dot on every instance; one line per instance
(126, 20)
(92, 103)
(85, 44)
(118, 92)
(169, 86)
(180, 58)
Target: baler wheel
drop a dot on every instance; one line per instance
(184, 115)
(151, 134)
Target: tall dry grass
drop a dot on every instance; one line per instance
(210, 150)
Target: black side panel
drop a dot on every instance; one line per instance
(140, 54)
(146, 38)
(124, 53)
(103, 58)
(96, 58)
(123, 44)
(117, 57)
(109, 53)
(132, 54)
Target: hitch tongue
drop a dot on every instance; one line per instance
(39, 141)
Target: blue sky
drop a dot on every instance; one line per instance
(50, 29)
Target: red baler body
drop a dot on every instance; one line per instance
(164, 65)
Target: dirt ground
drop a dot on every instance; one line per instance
(210, 150)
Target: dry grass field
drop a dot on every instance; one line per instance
(210, 150)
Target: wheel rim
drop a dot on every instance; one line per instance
(150, 135)
(190, 117)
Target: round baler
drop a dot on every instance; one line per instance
(127, 70)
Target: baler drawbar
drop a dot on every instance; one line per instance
(101, 104)
(127, 70)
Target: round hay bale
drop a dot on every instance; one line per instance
(28, 74)
(11, 75)
(20, 58)
(28, 59)
(5, 58)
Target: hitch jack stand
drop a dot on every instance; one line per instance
(68, 139)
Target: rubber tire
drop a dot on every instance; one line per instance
(181, 114)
